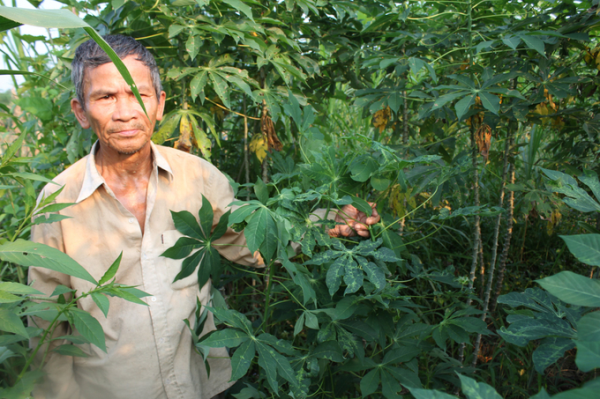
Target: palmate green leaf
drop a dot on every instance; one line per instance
(27, 253)
(240, 6)
(471, 324)
(221, 228)
(281, 345)
(407, 377)
(182, 248)
(429, 394)
(221, 88)
(240, 214)
(269, 366)
(353, 277)
(370, 382)
(335, 273)
(192, 45)
(490, 101)
(386, 255)
(590, 179)
(269, 245)
(363, 167)
(202, 140)
(189, 265)
(255, 232)
(443, 100)
(311, 320)
(198, 83)
(402, 354)
(362, 205)
(282, 364)
(230, 338)
(477, 390)
(206, 215)
(573, 288)
(585, 247)
(261, 191)
(524, 330)
(375, 275)
(588, 355)
(329, 350)
(588, 327)
(299, 325)
(462, 106)
(210, 265)
(389, 386)
(89, 327)
(550, 350)
(187, 224)
(242, 359)
(534, 43)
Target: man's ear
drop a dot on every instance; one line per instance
(161, 106)
(80, 113)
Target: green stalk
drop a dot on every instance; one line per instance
(268, 294)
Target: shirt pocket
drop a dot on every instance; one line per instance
(173, 266)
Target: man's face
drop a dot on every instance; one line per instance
(112, 110)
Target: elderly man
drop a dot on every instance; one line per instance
(122, 194)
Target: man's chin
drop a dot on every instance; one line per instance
(127, 149)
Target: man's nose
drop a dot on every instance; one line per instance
(125, 108)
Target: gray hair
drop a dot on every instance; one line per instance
(90, 55)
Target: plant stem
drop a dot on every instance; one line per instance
(507, 235)
(246, 162)
(268, 295)
(488, 289)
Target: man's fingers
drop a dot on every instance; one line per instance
(374, 218)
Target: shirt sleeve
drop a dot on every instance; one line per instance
(59, 380)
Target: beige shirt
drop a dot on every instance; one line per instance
(150, 352)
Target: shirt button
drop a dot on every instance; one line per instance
(162, 340)
(153, 299)
(131, 220)
(167, 381)
(144, 256)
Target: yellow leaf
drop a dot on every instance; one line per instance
(381, 118)
(258, 146)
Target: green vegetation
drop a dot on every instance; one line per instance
(473, 126)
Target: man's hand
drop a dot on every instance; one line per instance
(354, 222)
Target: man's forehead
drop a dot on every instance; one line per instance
(107, 74)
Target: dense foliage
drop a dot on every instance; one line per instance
(473, 126)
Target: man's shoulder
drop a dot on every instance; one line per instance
(71, 179)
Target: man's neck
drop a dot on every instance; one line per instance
(124, 167)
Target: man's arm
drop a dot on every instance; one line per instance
(59, 381)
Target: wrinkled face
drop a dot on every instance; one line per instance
(112, 110)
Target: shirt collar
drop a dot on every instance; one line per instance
(92, 179)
